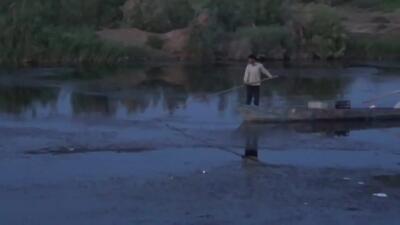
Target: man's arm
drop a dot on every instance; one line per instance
(265, 71)
(246, 76)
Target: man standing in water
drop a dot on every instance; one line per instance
(253, 79)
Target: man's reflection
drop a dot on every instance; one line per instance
(251, 150)
(251, 135)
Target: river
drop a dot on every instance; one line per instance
(153, 145)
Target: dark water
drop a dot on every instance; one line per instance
(183, 95)
(180, 91)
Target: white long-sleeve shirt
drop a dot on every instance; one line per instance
(253, 74)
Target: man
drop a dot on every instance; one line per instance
(253, 79)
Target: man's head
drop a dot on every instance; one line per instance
(252, 59)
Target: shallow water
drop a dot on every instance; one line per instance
(68, 131)
(182, 97)
(179, 91)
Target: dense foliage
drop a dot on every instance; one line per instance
(380, 4)
(56, 31)
(232, 14)
(159, 15)
(265, 39)
(276, 30)
(64, 31)
(325, 33)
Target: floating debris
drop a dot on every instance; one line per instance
(380, 195)
(346, 178)
(361, 183)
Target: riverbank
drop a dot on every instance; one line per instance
(125, 32)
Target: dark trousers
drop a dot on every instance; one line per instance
(253, 93)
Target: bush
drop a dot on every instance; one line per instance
(204, 40)
(232, 14)
(52, 45)
(155, 42)
(270, 12)
(265, 39)
(366, 3)
(378, 4)
(159, 15)
(46, 31)
(374, 47)
(67, 13)
(325, 33)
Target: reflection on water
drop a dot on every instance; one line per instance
(130, 93)
(18, 100)
(348, 144)
(252, 136)
(252, 131)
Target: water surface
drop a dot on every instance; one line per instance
(180, 91)
(124, 144)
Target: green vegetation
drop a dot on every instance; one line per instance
(232, 14)
(155, 42)
(66, 13)
(378, 4)
(265, 39)
(374, 47)
(159, 15)
(64, 31)
(58, 32)
(325, 34)
(53, 45)
(203, 42)
(259, 21)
